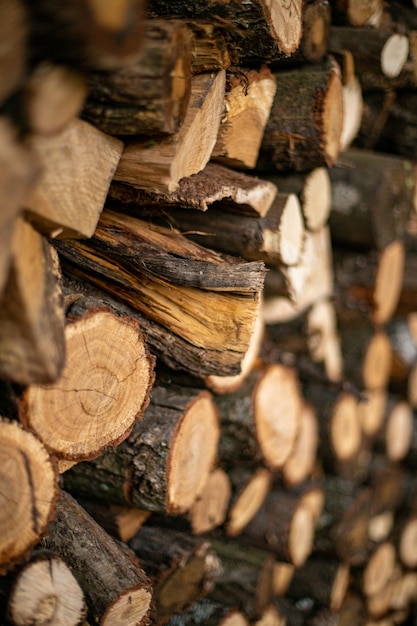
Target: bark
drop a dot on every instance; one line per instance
(117, 590)
(248, 102)
(31, 311)
(209, 613)
(150, 96)
(183, 569)
(159, 164)
(29, 484)
(214, 186)
(78, 165)
(311, 138)
(174, 283)
(165, 462)
(103, 390)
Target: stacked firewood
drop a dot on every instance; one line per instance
(208, 335)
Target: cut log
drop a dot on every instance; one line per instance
(117, 590)
(352, 100)
(277, 238)
(120, 522)
(371, 411)
(402, 333)
(270, 617)
(182, 569)
(13, 55)
(29, 485)
(255, 32)
(103, 390)
(160, 165)
(406, 540)
(314, 192)
(214, 185)
(91, 34)
(31, 311)
(210, 507)
(248, 102)
(261, 418)
(176, 284)
(283, 573)
(249, 490)
(301, 462)
(245, 580)
(396, 429)
(165, 462)
(151, 95)
(52, 97)
(209, 613)
(19, 172)
(311, 137)
(323, 580)
(360, 13)
(78, 166)
(45, 591)
(379, 569)
(372, 197)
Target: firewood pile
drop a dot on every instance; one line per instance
(208, 320)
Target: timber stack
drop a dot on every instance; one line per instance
(208, 320)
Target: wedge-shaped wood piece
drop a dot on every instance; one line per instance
(31, 311)
(102, 391)
(28, 487)
(248, 103)
(78, 165)
(165, 462)
(159, 165)
(116, 588)
(214, 184)
(19, 172)
(176, 284)
(151, 95)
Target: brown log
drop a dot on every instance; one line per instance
(51, 98)
(31, 311)
(13, 56)
(29, 484)
(248, 102)
(120, 522)
(301, 462)
(210, 507)
(176, 284)
(402, 333)
(261, 418)
(159, 165)
(116, 588)
(93, 34)
(165, 462)
(270, 617)
(283, 573)
(371, 411)
(396, 429)
(151, 95)
(372, 197)
(405, 535)
(209, 613)
(352, 99)
(325, 581)
(210, 51)
(103, 390)
(214, 185)
(276, 238)
(255, 32)
(249, 490)
(359, 13)
(182, 569)
(44, 591)
(78, 165)
(20, 171)
(311, 138)
(379, 569)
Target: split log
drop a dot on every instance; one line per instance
(372, 197)
(29, 485)
(165, 462)
(91, 34)
(51, 98)
(209, 613)
(372, 283)
(210, 52)
(245, 579)
(214, 185)
(182, 569)
(249, 490)
(255, 32)
(176, 284)
(116, 588)
(43, 591)
(159, 165)
(261, 418)
(151, 95)
(313, 189)
(78, 165)
(311, 138)
(103, 390)
(248, 102)
(277, 238)
(13, 56)
(31, 311)
(326, 581)
(19, 172)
